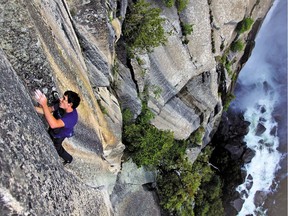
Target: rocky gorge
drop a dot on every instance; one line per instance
(58, 45)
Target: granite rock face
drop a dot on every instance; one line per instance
(33, 180)
(188, 75)
(59, 45)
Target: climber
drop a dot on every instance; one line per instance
(61, 118)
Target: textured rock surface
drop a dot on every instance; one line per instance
(187, 75)
(33, 180)
(230, 155)
(131, 196)
(53, 44)
(38, 39)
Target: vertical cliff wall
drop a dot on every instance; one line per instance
(57, 44)
(33, 181)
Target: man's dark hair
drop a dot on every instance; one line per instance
(73, 98)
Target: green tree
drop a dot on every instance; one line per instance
(208, 200)
(178, 186)
(146, 143)
(180, 4)
(142, 27)
(151, 144)
(179, 182)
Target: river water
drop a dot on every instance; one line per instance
(261, 93)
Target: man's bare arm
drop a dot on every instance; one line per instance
(52, 121)
(40, 110)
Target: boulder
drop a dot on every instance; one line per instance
(248, 155)
(249, 181)
(260, 129)
(235, 150)
(259, 198)
(237, 204)
(273, 131)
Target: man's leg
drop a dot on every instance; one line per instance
(61, 151)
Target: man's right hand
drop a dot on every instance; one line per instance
(40, 98)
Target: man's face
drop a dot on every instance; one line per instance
(64, 102)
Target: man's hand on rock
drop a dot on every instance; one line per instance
(40, 98)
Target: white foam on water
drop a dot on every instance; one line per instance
(263, 84)
(265, 163)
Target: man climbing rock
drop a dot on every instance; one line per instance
(61, 118)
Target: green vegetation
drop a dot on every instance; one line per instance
(228, 100)
(237, 46)
(156, 91)
(102, 108)
(208, 200)
(180, 4)
(244, 25)
(183, 185)
(186, 28)
(127, 117)
(139, 60)
(146, 143)
(177, 186)
(169, 3)
(142, 27)
(197, 136)
(178, 180)
(226, 63)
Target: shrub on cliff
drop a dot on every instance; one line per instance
(180, 4)
(197, 136)
(177, 187)
(186, 28)
(146, 144)
(237, 46)
(169, 3)
(142, 27)
(228, 99)
(244, 25)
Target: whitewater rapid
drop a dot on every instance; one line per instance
(263, 140)
(263, 84)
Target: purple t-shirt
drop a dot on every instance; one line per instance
(70, 120)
